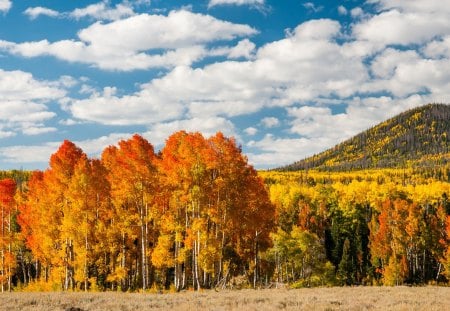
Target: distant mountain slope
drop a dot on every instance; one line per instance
(414, 135)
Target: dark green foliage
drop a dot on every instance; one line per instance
(346, 266)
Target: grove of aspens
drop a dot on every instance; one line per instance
(196, 215)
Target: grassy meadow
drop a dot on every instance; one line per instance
(335, 298)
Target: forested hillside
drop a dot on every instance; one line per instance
(407, 139)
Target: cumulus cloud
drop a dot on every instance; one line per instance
(139, 108)
(357, 12)
(236, 2)
(5, 5)
(342, 10)
(432, 6)
(234, 88)
(28, 153)
(23, 103)
(402, 24)
(274, 151)
(251, 131)
(102, 11)
(40, 153)
(98, 11)
(130, 44)
(270, 122)
(158, 133)
(243, 49)
(35, 12)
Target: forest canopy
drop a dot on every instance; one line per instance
(197, 215)
(193, 215)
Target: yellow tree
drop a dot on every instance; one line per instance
(134, 183)
(57, 179)
(183, 171)
(86, 219)
(36, 224)
(43, 212)
(446, 241)
(246, 214)
(7, 203)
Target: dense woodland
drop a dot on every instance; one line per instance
(194, 215)
(384, 226)
(197, 215)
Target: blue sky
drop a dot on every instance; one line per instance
(286, 78)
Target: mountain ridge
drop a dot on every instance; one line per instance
(411, 136)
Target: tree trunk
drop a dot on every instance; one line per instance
(143, 249)
(3, 250)
(86, 272)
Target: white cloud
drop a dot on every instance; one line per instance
(23, 103)
(342, 10)
(5, 5)
(139, 108)
(102, 11)
(68, 122)
(234, 88)
(317, 122)
(177, 29)
(158, 133)
(403, 73)
(236, 2)
(6, 134)
(274, 152)
(130, 43)
(395, 27)
(310, 6)
(95, 146)
(23, 112)
(270, 122)
(244, 49)
(20, 85)
(251, 131)
(28, 153)
(98, 11)
(385, 64)
(41, 153)
(357, 12)
(431, 6)
(438, 48)
(38, 130)
(35, 12)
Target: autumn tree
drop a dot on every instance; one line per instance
(134, 182)
(8, 260)
(221, 213)
(42, 215)
(87, 220)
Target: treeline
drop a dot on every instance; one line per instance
(400, 141)
(194, 215)
(197, 215)
(375, 227)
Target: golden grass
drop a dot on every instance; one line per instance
(337, 298)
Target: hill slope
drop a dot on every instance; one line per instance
(414, 135)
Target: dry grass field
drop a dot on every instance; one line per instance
(346, 298)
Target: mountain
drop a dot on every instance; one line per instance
(412, 137)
